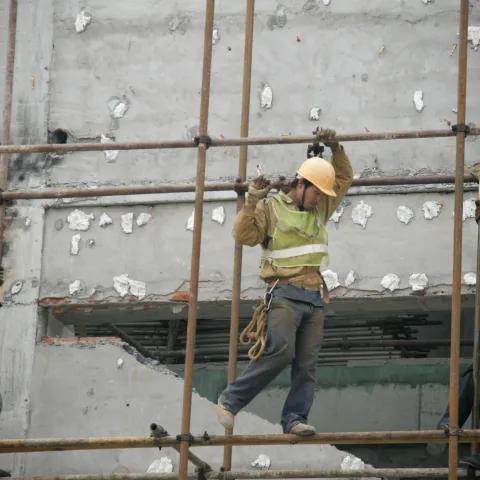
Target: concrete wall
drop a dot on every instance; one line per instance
(156, 48)
(77, 386)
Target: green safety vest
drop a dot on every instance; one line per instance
(300, 238)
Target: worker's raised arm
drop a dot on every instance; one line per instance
(251, 225)
(343, 176)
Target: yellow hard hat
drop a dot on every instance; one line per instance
(319, 172)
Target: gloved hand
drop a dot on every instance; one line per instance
(324, 134)
(477, 211)
(258, 189)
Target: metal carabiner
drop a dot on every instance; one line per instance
(267, 298)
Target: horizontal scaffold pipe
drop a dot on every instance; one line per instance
(213, 187)
(227, 142)
(108, 443)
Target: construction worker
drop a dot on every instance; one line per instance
(291, 228)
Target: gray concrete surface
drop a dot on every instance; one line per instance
(156, 48)
(76, 386)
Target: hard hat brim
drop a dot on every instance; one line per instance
(326, 191)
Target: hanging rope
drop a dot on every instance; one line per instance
(256, 331)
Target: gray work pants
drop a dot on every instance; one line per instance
(294, 335)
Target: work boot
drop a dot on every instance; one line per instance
(225, 417)
(302, 429)
(471, 461)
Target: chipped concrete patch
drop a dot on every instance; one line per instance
(75, 244)
(110, 155)
(105, 220)
(470, 278)
(361, 213)
(191, 221)
(163, 465)
(28, 222)
(82, 20)
(279, 18)
(218, 215)
(314, 113)
(331, 279)
(127, 222)
(120, 363)
(337, 214)
(310, 6)
(405, 214)
(431, 209)
(469, 208)
(78, 220)
(177, 23)
(326, 2)
(58, 224)
(266, 97)
(426, 2)
(76, 287)
(118, 107)
(177, 308)
(351, 277)
(390, 281)
(143, 219)
(351, 462)
(122, 284)
(138, 289)
(418, 100)
(262, 462)
(16, 287)
(474, 36)
(418, 282)
(215, 36)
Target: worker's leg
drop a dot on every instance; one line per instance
(304, 378)
(283, 320)
(465, 400)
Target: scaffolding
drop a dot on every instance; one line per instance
(453, 435)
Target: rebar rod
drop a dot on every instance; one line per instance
(335, 438)
(228, 142)
(7, 122)
(214, 187)
(196, 242)
(242, 174)
(254, 474)
(457, 239)
(124, 336)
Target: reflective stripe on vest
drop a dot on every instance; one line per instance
(300, 239)
(296, 251)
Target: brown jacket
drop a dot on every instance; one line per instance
(254, 225)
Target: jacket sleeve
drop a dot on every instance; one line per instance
(343, 179)
(251, 224)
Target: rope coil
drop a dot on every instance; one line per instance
(256, 331)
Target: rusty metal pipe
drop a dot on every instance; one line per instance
(213, 187)
(373, 473)
(457, 239)
(7, 122)
(252, 474)
(227, 142)
(196, 242)
(336, 438)
(127, 338)
(242, 174)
